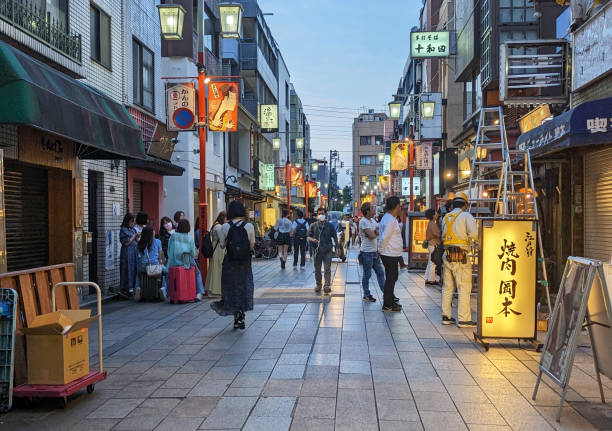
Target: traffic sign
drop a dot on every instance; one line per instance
(183, 118)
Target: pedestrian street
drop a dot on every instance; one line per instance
(307, 362)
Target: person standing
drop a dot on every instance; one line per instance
(390, 249)
(141, 221)
(368, 231)
(238, 239)
(458, 230)
(320, 235)
(181, 242)
(178, 216)
(150, 252)
(282, 230)
(166, 229)
(433, 237)
(215, 268)
(300, 232)
(128, 256)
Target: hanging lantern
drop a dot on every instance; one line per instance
(171, 17)
(315, 167)
(381, 157)
(427, 110)
(395, 109)
(276, 143)
(230, 15)
(299, 143)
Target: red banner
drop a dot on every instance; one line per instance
(223, 106)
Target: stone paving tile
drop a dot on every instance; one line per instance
(466, 394)
(262, 423)
(95, 425)
(400, 425)
(356, 407)
(434, 401)
(230, 412)
(195, 407)
(210, 388)
(115, 409)
(315, 407)
(179, 423)
(282, 388)
(274, 407)
(319, 387)
(397, 410)
(480, 413)
(288, 371)
(355, 381)
(447, 421)
(309, 424)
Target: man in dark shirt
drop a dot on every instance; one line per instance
(320, 235)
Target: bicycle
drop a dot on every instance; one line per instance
(265, 248)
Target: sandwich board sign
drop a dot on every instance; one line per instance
(583, 297)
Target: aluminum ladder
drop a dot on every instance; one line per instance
(501, 182)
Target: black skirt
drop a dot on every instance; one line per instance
(236, 288)
(283, 239)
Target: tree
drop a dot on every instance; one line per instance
(347, 195)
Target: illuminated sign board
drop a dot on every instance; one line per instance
(507, 295)
(399, 156)
(268, 118)
(426, 44)
(387, 165)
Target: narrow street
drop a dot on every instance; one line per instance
(306, 363)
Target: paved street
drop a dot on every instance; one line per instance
(303, 364)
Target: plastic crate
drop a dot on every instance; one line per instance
(8, 315)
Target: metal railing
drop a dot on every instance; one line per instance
(42, 26)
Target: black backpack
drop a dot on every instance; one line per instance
(238, 245)
(207, 248)
(300, 231)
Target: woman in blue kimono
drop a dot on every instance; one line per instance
(128, 256)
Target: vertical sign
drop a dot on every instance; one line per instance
(387, 165)
(268, 176)
(281, 176)
(384, 183)
(268, 118)
(181, 107)
(507, 294)
(406, 186)
(399, 156)
(223, 106)
(424, 157)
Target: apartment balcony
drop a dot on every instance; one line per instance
(42, 27)
(535, 72)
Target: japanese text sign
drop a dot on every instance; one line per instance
(399, 156)
(429, 44)
(507, 294)
(424, 156)
(268, 118)
(181, 107)
(266, 176)
(387, 165)
(280, 174)
(223, 106)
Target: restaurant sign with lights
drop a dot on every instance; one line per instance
(429, 44)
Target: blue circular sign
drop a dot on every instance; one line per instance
(183, 118)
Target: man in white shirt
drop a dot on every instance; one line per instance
(390, 248)
(368, 232)
(459, 229)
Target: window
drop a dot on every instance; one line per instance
(365, 160)
(211, 38)
(142, 69)
(516, 11)
(379, 140)
(365, 140)
(100, 36)
(467, 99)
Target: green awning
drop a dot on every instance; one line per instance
(36, 95)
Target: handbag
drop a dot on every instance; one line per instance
(426, 244)
(153, 270)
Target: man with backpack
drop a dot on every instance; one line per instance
(299, 232)
(320, 235)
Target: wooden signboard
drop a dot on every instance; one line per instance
(583, 297)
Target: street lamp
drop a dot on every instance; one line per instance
(276, 143)
(395, 108)
(230, 15)
(427, 110)
(381, 157)
(315, 167)
(299, 143)
(171, 17)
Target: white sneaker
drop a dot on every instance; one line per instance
(199, 296)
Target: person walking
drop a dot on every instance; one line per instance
(238, 239)
(458, 230)
(181, 242)
(368, 231)
(299, 232)
(215, 268)
(166, 229)
(390, 249)
(433, 238)
(320, 235)
(282, 229)
(128, 257)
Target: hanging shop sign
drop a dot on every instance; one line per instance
(534, 118)
(266, 176)
(506, 298)
(181, 107)
(280, 174)
(429, 44)
(399, 156)
(313, 189)
(384, 183)
(268, 118)
(223, 106)
(387, 165)
(163, 142)
(416, 186)
(424, 156)
(297, 176)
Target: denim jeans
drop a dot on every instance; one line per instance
(299, 246)
(370, 261)
(199, 284)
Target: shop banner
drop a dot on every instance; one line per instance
(266, 176)
(384, 183)
(424, 156)
(223, 106)
(268, 118)
(399, 156)
(297, 176)
(387, 165)
(280, 174)
(508, 282)
(181, 107)
(312, 189)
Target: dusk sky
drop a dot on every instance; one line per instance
(343, 56)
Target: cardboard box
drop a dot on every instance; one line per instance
(58, 347)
